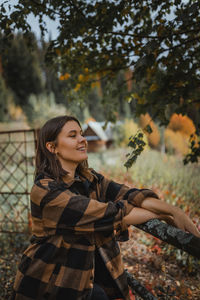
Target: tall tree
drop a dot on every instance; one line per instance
(107, 36)
(153, 38)
(21, 69)
(4, 98)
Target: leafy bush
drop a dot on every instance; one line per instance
(123, 131)
(176, 142)
(178, 133)
(178, 122)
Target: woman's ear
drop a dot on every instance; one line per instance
(51, 147)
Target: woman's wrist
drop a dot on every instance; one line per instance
(138, 216)
(176, 211)
(160, 207)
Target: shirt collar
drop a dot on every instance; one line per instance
(90, 176)
(80, 178)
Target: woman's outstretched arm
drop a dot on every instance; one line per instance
(139, 215)
(176, 217)
(179, 218)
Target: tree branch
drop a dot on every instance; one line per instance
(173, 236)
(178, 45)
(137, 287)
(44, 7)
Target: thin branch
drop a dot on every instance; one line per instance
(151, 36)
(134, 35)
(176, 46)
(48, 9)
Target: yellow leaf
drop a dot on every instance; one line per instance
(180, 84)
(77, 87)
(95, 84)
(80, 77)
(66, 76)
(61, 77)
(163, 268)
(135, 95)
(141, 100)
(153, 87)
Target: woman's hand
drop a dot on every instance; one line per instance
(182, 221)
(170, 213)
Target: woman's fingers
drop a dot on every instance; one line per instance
(168, 219)
(183, 222)
(190, 226)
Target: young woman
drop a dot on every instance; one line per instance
(77, 217)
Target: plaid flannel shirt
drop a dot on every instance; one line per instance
(70, 221)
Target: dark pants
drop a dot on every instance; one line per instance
(98, 293)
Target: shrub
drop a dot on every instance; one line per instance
(130, 128)
(154, 137)
(178, 133)
(181, 123)
(123, 131)
(176, 142)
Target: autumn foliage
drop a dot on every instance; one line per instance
(154, 136)
(181, 123)
(178, 133)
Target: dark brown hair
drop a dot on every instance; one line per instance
(47, 162)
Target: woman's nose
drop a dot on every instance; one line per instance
(82, 138)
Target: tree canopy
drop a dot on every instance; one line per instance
(158, 41)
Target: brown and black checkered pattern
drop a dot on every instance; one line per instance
(70, 221)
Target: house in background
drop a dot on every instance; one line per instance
(96, 136)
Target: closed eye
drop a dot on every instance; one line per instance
(75, 133)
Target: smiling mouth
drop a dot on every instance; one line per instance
(83, 149)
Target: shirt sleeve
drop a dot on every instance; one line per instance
(112, 191)
(63, 210)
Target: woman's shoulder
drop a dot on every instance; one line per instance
(44, 181)
(95, 176)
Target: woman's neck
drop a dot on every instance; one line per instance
(70, 169)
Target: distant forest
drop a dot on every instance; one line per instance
(27, 82)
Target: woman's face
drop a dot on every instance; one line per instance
(71, 145)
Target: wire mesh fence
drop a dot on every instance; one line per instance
(17, 154)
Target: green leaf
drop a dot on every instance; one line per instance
(148, 129)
